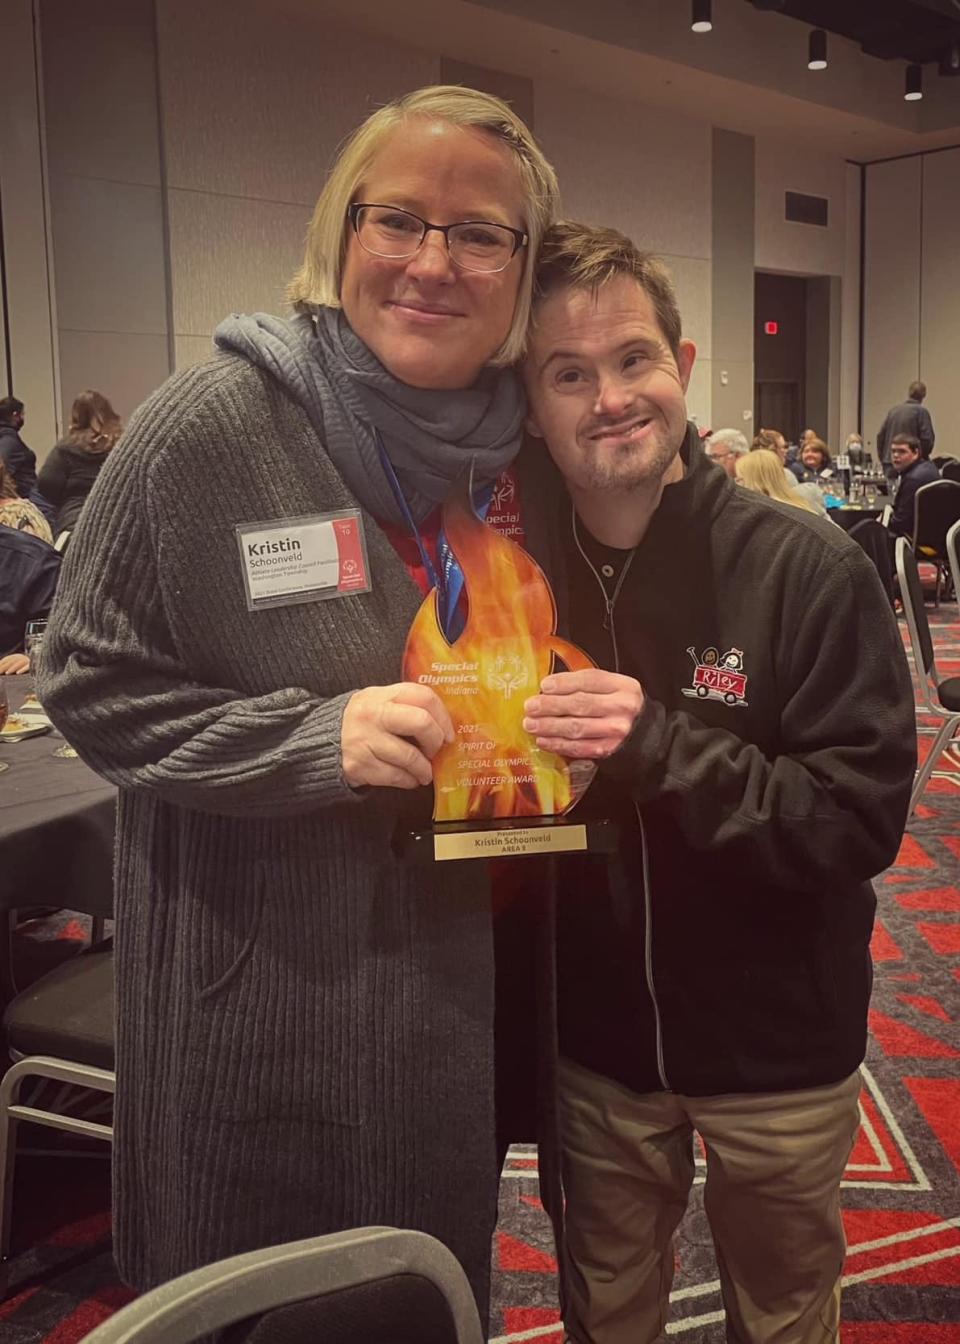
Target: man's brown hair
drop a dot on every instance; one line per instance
(917, 391)
(579, 256)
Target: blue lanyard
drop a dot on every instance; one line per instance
(449, 582)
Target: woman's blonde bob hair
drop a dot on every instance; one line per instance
(762, 471)
(318, 279)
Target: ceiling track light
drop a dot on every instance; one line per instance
(701, 21)
(913, 89)
(817, 52)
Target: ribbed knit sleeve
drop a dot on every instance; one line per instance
(115, 683)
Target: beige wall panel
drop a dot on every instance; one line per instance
(891, 346)
(691, 278)
(805, 249)
(732, 401)
(229, 255)
(699, 393)
(256, 104)
(100, 89)
(108, 255)
(632, 168)
(193, 350)
(850, 311)
(940, 293)
(126, 368)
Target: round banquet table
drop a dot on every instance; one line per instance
(56, 824)
(851, 514)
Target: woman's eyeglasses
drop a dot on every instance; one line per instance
(474, 245)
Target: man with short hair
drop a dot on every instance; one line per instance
(914, 469)
(29, 569)
(724, 447)
(757, 743)
(20, 461)
(909, 417)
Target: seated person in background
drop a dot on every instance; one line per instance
(14, 453)
(726, 447)
(760, 470)
(854, 449)
(813, 462)
(68, 474)
(29, 569)
(914, 469)
(19, 513)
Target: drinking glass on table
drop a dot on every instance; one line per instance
(33, 642)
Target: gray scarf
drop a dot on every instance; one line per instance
(430, 435)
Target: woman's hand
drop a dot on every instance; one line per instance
(583, 715)
(13, 664)
(390, 734)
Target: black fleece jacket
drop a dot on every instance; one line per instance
(726, 948)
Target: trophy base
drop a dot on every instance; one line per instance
(507, 838)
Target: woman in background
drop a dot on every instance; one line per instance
(67, 476)
(813, 462)
(19, 513)
(761, 471)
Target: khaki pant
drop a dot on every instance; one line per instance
(772, 1197)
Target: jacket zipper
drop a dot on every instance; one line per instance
(609, 623)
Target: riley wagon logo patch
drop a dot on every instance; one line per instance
(718, 676)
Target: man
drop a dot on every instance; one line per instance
(20, 461)
(909, 461)
(29, 569)
(909, 417)
(724, 447)
(715, 973)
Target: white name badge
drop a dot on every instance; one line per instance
(303, 559)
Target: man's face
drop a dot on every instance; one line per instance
(724, 457)
(902, 457)
(604, 389)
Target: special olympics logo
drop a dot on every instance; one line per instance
(507, 673)
(503, 494)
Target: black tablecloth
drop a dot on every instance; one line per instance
(56, 824)
(849, 516)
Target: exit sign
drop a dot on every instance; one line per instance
(771, 328)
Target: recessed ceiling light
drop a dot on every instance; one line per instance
(913, 89)
(701, 21)
(817, 57)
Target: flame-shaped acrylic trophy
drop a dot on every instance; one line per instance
(495, 792)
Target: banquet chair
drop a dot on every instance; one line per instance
(60, 1028)
(950, 471)
(936, 506)
(874, 540)
(941, 698)
(370, 1285)
(953, 557)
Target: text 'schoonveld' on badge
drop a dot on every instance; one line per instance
(310, 559)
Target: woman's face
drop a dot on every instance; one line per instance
(812, 458)
(429, 322)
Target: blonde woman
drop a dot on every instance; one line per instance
(68, 474)
(305, 1024)
(761, 470)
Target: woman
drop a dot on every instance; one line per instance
(68, 474)
(304, 1022)
(813, 462)
(761, 471)
(19, 513)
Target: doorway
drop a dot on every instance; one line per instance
(791, 352)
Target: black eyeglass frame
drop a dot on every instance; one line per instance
(520, 239)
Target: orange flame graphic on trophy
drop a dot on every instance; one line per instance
(494, 768)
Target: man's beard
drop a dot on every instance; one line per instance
(629, 468)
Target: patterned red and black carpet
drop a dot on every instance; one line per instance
(901, 1192)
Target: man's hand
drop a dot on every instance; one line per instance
(390, 734)
(583, 715)
(13, 664)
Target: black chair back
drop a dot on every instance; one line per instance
(912, 594)
(874, 539)
(936, 508)
(950, 471)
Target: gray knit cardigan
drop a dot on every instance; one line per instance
(304, 1024)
